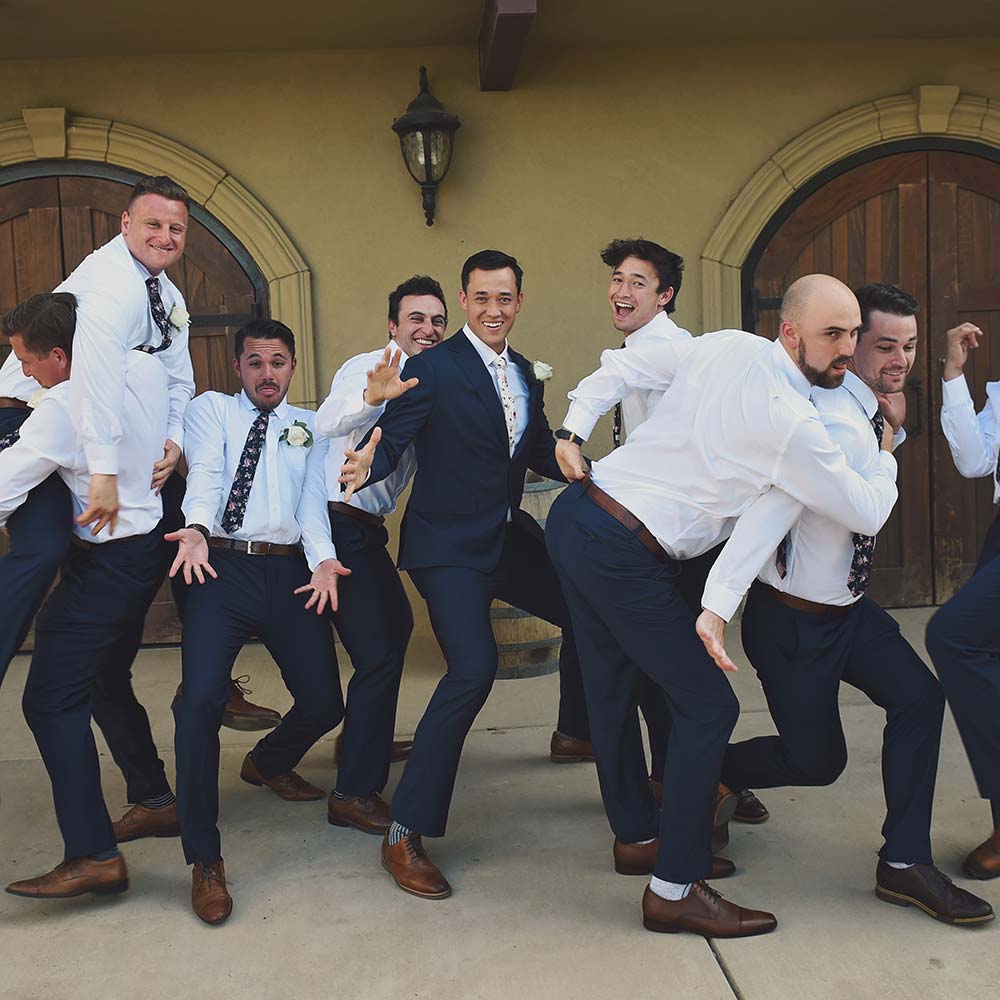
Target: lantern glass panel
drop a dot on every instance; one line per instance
(440, 145)
(413, 155)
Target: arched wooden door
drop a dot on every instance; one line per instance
(928, 221)
(49, 224)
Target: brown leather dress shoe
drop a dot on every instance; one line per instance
(703, 911)
(749, 809)
(412, 870)
(933, 892)
(569, 750)
(725, 807)
(239, 713)
(984, 861)
(142, 822)
(74, 878)
(210, 898)
(640, 859)
(399, 752)
(288, 786)
(369, 813)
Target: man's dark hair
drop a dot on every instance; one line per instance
(264, 329)
(44, 321)
(491, 260)
(889, 299)
(669, 266)
(419, 284)
(161, 185)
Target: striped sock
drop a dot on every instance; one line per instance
(396, 833)
(159, 801)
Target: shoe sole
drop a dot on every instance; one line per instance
(978, 875)
(575, 759)
(413, 892)
(750, 820)
(901, 899)
(720, 831)
(169, 831)
(661, 928)
(111, 889)
(242, 725)
(284, 798)
(346, 823)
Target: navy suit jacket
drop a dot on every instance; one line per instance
(466, 478)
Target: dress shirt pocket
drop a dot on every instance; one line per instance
(294, 462)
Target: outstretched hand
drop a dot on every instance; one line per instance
(355, 470)
(324, 585)
(960, 340)
(711, 630)
(192, 555)
(384, 382)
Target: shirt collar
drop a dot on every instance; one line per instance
(486, 353)
(862, 392)
(280, 411)
(787, 367)
(661, 321)
(393, 346)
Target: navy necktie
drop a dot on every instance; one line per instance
(239, 495)
(159, 312)
(864, 545)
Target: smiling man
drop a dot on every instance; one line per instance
(374, 619)
(476, 421)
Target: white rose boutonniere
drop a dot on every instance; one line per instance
(179, 317)
(297, 435)
(541, 371)
(36, 397)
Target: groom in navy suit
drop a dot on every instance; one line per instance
(476, 420)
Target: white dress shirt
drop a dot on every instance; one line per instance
(287, 501)
(736, 420)
(49, 442)
(820, 549)
(112, 318)
(974, 440)
(346, 418)
(638, 404)
(13, 382)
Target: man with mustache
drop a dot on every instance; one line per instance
(735, 420)
(255, 502)
(808, 627)
(374, 619)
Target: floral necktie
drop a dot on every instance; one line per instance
(159, 312)
(507, 399)
(864, 545)
(617, 425)
(236, 506)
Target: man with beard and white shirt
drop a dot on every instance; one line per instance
(374, 618)
(88, 627)
(734, 421)
(808, 626)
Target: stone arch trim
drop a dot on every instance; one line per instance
(928, 111)
(51, 133)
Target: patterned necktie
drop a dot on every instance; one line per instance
(507, 399)
(236, 506)
(159, 312)
(8, 439)
(864, 545)
(617, 425)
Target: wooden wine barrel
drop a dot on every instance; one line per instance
(528, 646)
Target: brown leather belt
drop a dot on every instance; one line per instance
(626, 518)
(255, 548)
(372, 520)
(801, 604)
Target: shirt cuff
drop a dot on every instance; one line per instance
(315, 554)
(955, 392)
(721, 600)
(196, 514)
(888, 463)
(102, 459)
(175, 433)
(898, 438)
(580, 420)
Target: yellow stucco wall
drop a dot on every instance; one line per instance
(590, 144)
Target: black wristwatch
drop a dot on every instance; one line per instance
(202, 529)
(564, 435)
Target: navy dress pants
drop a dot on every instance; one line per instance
(631, 622)
(963, 639)
(374, 621)
(458, 601)
(801, 659)
(39, 536)
(253, 595)
(98, 606)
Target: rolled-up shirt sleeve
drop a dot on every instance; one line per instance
(204, 449)
(311, 513)
(972, 438)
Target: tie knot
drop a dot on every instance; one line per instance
(153, 283)
(501, 361)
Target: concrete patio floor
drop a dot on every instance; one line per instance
(537, 910)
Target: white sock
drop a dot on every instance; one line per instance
(669, 890)
(900, 864)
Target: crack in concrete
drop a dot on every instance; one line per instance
(730, 978)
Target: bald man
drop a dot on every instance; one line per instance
(735, 419)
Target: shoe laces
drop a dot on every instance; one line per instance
(241, 682)
(414, 847)
(208, 874)
(713, 894)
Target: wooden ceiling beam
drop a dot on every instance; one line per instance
(502, 37)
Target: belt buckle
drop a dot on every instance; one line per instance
(249, 550)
